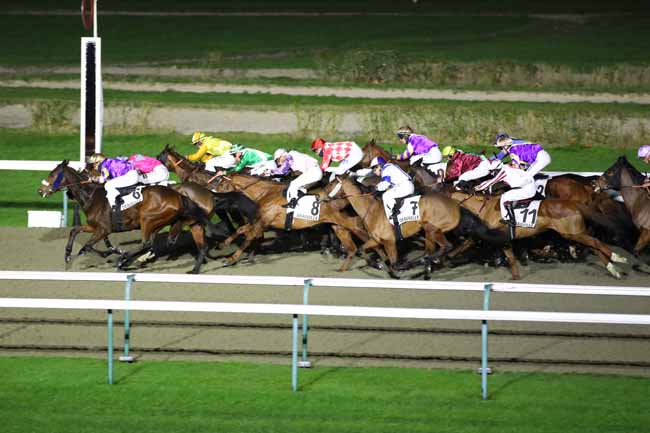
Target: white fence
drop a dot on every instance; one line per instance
(305, 310)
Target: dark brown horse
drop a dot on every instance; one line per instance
(160, 207)
(270, 199)
(562, 216)
(622, 176)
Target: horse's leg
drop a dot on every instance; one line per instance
(128, 258)
(514, 267)
(253, 232)
(461, 248)
(391, 251)
(240, 231)
(198, 234)
(223, 216)
(346, 239)
(68, 248)
(603, 251)
(97, 234)
(439, 238)
(642, 242)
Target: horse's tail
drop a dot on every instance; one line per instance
(191, 210)
(473, 226)
(612, 222)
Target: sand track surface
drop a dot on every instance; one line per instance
(333, 341)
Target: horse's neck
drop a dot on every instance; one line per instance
(255, 187)
(360, 202)
(630, 195)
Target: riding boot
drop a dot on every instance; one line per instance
(394, 215)
(291, 204)
(512, 223)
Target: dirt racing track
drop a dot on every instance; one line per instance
(333, 340)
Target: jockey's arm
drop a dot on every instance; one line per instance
(196, 156)
(408, 152)
(104, 175)
(327, 159)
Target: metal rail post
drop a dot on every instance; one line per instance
(304, 363)
(484, 342)
(294, 355)
(110, 347)
(64, 216)
(127, 328)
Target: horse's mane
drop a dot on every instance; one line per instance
(637, 176)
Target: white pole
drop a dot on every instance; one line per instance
(95, 30)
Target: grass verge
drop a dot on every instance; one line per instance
(63, 395)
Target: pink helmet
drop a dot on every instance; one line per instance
(644, 151)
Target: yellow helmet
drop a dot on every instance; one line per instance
(96, 158)
(448, 151)
(198, 136)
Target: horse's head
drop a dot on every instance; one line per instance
(371, 150)
(611, 178)
(55, 180)
(168, 156)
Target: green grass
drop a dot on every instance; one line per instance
(63, 395)
(18, 194)
(298, 41)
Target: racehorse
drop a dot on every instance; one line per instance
(160, 207)
(372, 150)
(438, 215)
(622, 176)
(270, 199)
(562, 216)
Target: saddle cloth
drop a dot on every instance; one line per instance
(409, 211)
(308, 208)
(540, 185)
(525, 213)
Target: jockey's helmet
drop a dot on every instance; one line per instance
(236, 148)
(96, 158)
(279, 153)
(644, 151)
(377, 161)
(502, 139)
(448, 151)
(317, 144)
(404, 132)
(197, 136)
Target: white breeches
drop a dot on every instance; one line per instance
(526, 191)
(543, 159)
(313, 175)
(401, 190)
(157, 175)
(355, 156)
(433, 156)
(223, 161)
(128, 179)
(481, 170)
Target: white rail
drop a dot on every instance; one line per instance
(325, 282)
(325, 310)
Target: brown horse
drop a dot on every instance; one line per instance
(270, 199)
(160, 207)
(562, 216)
(622, 176)
(372, 150)
(438, 215)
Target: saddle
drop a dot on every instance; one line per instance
(525, 202)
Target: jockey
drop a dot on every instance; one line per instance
(114, 173)
(150, 170)
(394, 182)
(523, 187)
(418, 147)
(460, 162)
(644, 153)
(208, 147)
(347, 152)
(523, 153)
(246, 158)
(297, 161)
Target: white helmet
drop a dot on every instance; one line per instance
(279, 153)
(377, 161)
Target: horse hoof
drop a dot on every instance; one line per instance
(67, 259)
(612, 270)
(617, 259)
